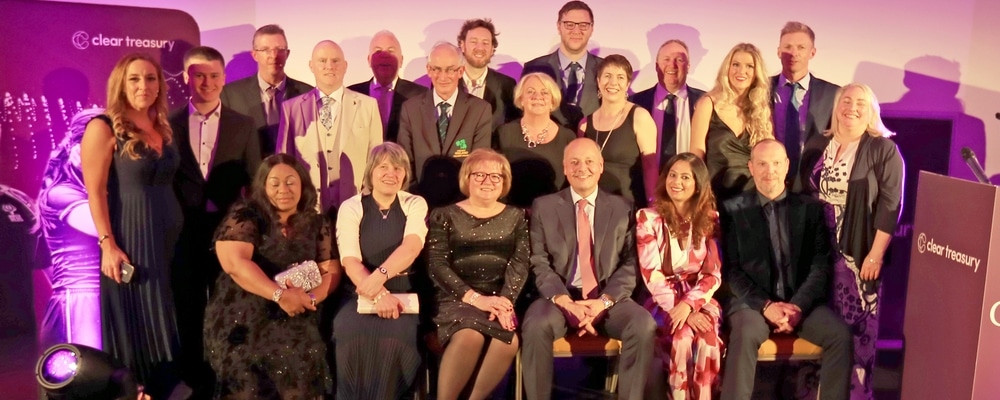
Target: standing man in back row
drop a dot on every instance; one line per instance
(478, 41)
(385, 57)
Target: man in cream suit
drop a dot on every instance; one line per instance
(331, 129)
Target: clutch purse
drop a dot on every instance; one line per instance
(410, 303)
(304, 275)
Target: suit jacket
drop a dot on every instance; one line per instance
(569, 115)
(645, 100)
(243, 96)
(360, 131)
(821, 97)
(554, 249)
(403, 91)
(499, 92)
(237, 156)
(470, 128)
(748, 260)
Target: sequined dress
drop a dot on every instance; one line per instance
(257, 350)
(488, 255)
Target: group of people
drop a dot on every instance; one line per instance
(506, 213)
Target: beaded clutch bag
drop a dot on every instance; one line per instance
(304, 275)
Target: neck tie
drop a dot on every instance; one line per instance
(272, 111)
(668, 134)
(384, 106)
(793, 130)
(325, 114)
(572, 83)
(584, 244)
(442, 122)
(777, 247)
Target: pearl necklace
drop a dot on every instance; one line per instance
(541, 136)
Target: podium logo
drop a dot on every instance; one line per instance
(925, 244)
(993, 313)
(81, 40)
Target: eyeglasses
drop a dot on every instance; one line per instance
(449, 70)
(272, 51)
(480, 177)
(584, 26)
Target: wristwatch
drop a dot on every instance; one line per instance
(276, 295)
(608, 302)
(384, 271)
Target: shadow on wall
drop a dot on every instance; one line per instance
(440, 31)
(236, 40)
(647, 77)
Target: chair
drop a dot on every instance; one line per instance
(573, 346)
(788, 347)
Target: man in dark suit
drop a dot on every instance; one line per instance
(777, 265)
(385, 57)
(259, 97)
(571, 66)
(219, 153)
(478, 41)
(797, 95)
(583, 257)
(669, 95)
(444, 121)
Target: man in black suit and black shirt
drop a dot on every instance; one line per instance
(259, 97)
(478, 41)
(219, 152)
(385, 57)
(778, 260)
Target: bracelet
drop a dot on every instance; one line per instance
(380, 296)
(384, 272)
(766, 305)
(472, 299)
(276, 296)
(102, 239)
(312, 299)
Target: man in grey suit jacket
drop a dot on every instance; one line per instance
(331, 129)
(571, 66)
(669, 95)
(444, 121)
(260, 96)
(478, 41)
(565, 256)
(385, 56)
(812, 105)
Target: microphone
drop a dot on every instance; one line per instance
(973, 163)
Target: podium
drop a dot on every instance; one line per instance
(952, 324)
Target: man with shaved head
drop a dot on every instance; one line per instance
(331, 129)
(445, 121)
(385, 57)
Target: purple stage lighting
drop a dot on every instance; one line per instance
(60, 366)
(71, 371)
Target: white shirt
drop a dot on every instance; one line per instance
(264, 97)
(682, 107)
(475, 87)
(203, 133)
(451, 102)
(577, 279)
(349, 222)
(564, 62)
(781, 100)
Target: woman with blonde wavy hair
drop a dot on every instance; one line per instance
(128, 163)
(731, 119)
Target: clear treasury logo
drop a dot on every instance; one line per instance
(82, 40)
(924, 244)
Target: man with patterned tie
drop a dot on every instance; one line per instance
(583, 256)
(331, 129)
(571, 66)
(668, 96)
(802, 103)
(259, 96)
(478, 41)
(385, 57)
(444, 121)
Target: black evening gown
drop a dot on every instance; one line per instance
(377, 358)
(535, 171)
(488, 255)
(257, 350)
(622, 159)
(726, 157)
(138, 323)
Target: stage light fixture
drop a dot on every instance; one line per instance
(75, 371)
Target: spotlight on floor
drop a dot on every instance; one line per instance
(75, 371)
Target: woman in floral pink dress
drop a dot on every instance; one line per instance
(679, 263)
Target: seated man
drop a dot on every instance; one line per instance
(777, 265)
(583, 255)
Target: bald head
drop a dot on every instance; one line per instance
(583, 165)
(769, 167)
(328, 66)
(385, 56)
(445, 66)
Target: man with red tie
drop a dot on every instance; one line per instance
(583, 256)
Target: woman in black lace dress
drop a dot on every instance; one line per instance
(263, 341)
(477, 256)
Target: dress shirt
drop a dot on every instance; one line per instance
(581, 73)
(475, 87)
(783, 93)
(781, 249)
(576, 281)
(264, 97)
(682, 113)
(203, 133)
(451, 103)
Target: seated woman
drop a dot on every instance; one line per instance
(534, 143)
(477, 255)
(263, 341)
(679, 262)
(380, 233)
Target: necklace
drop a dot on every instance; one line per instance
(385, 213)
(613, 126)
(539, 139)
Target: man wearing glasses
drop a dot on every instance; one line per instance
(571, 66)
(444, 123)
(260, 96)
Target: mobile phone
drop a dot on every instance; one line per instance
(127, 272)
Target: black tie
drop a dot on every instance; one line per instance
(572, 84)
(778, 246)
(442, 122)
(793, 131)
(668, 134)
